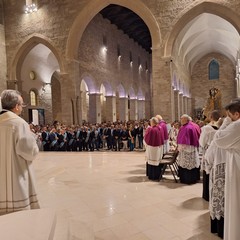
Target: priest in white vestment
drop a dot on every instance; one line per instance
(228, 139)
(206, 137)
(215, 158)
(18, 148)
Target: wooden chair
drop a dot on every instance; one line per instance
(169, 160)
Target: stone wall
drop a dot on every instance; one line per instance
(54, 22)
(201, 83)
(3, 68)
(106, 67)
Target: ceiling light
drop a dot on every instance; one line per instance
(31, 8)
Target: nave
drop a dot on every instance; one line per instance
(106, 196)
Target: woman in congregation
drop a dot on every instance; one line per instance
(154, 149)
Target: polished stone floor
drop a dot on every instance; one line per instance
(106, 196)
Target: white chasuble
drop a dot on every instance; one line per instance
(18, 149)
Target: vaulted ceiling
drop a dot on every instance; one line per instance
(205, 34)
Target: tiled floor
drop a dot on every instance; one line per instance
(106, 196)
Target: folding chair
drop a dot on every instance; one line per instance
(170, 159)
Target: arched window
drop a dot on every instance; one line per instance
(33, 98)
(213, 70)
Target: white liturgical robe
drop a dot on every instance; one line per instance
(228, 138)
(18, 149)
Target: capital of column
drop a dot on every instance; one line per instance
(94, 94)
(133, 99)
(13, 84)
(110, 97)
(13, 81)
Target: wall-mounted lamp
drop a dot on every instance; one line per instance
(119, 52)
(104, 43)
(130, 58)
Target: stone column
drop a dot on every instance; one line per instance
(141, 109)
(3, 61)
(185, 104)
(238, 85)
(173, 104)
(148, 112)
(79, 109)
(181, 104)
(190, 112)
(111, 108)
(68, 115)
(133, 109)
(161, 85)
(95, 108)
(123, 109)
(68, 92)
(177, 105)
(46, 102)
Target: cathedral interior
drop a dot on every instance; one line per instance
(101, 61)
(108, 60)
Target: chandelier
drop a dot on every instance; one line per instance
(30, 7)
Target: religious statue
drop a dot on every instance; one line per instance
(214, 102)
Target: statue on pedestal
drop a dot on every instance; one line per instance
(214, 102)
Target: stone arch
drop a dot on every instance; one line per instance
(29, 43)
(108, 88)
(90, 82)
(140, 94)
(205, 7)
(131, 93)
(121, 91)
(85, 16)
(56, 96)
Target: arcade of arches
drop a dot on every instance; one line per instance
(73, 64)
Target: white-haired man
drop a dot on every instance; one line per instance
(188, 158)
(154, 149)
(18, 149)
